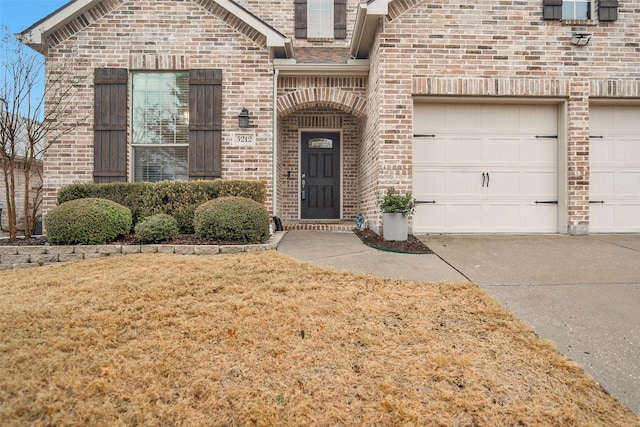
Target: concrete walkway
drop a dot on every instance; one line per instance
(344, 251)
(582, 293)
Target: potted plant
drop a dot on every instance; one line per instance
(395, 209)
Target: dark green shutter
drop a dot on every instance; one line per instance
(110, 125)
(608, 10)
(552, 9)
(205, 124)
(340, 19)
(301, 18)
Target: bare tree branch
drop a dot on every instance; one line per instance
(28, 127)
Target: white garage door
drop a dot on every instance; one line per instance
(614, 153)
(485, 168)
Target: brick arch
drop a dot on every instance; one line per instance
(313, 97)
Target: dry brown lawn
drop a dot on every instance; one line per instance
(261, 339)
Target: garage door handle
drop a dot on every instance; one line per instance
(546, 202)
(599, 202)
(483, 178)
(487, 179)
(430, 202)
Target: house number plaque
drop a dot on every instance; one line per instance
(244, 139)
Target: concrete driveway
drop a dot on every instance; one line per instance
(582, 293)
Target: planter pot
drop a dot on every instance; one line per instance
(395, 226)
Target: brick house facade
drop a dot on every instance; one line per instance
(498, 116)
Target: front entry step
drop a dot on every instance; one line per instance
(320, 225)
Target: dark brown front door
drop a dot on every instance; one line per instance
(320, 175)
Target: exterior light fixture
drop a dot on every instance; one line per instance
(580, 39)
(243, 119)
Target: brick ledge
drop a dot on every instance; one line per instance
(34, 256)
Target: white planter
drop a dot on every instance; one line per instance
(395, 226)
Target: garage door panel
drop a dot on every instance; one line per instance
(601, 151)
(539, 151)
(501, 217)
(429, 217)
(429, 182)
(539, 184)
(464, 183)
(539, 218)
(462, 117)
(497, 117)
(463, 150)
(429, 148)
(460, 216)
(627, 150)
(602, 183)
(627, 183)
(615, 169)
(500, 150)
(626, 216)
(498, 141)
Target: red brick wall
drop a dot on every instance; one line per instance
(496, 50)
(167, 35)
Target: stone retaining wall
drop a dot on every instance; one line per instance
(34, 256)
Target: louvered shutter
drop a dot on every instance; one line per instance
(110, 125)
(608, 10)
(205, 124)
(552, 9)
(340, 19)
(301, 18)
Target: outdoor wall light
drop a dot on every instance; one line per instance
(580, 39)
(243, 119)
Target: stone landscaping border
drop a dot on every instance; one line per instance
(34, 256)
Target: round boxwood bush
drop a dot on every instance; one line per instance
(157, 228)
(87, 222)
(232, 219)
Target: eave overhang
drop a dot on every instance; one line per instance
(367, 18)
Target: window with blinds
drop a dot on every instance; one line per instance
(160, 126)
(320, 19)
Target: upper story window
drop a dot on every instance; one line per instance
(576, 9)
(321, 19)
(580, 10)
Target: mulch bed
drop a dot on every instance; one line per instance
(130, 239)
(412, 245)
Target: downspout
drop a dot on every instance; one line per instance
(274, 148)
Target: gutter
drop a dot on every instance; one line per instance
(367, 18)
(274, 147)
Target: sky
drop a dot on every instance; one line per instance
(18, 15)
(21, 14)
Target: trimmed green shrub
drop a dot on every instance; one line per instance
(157, 228)
(87, 222)
(232, 219)
(176, 198)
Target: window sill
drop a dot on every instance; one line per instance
(320, 39)
(584, 22)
